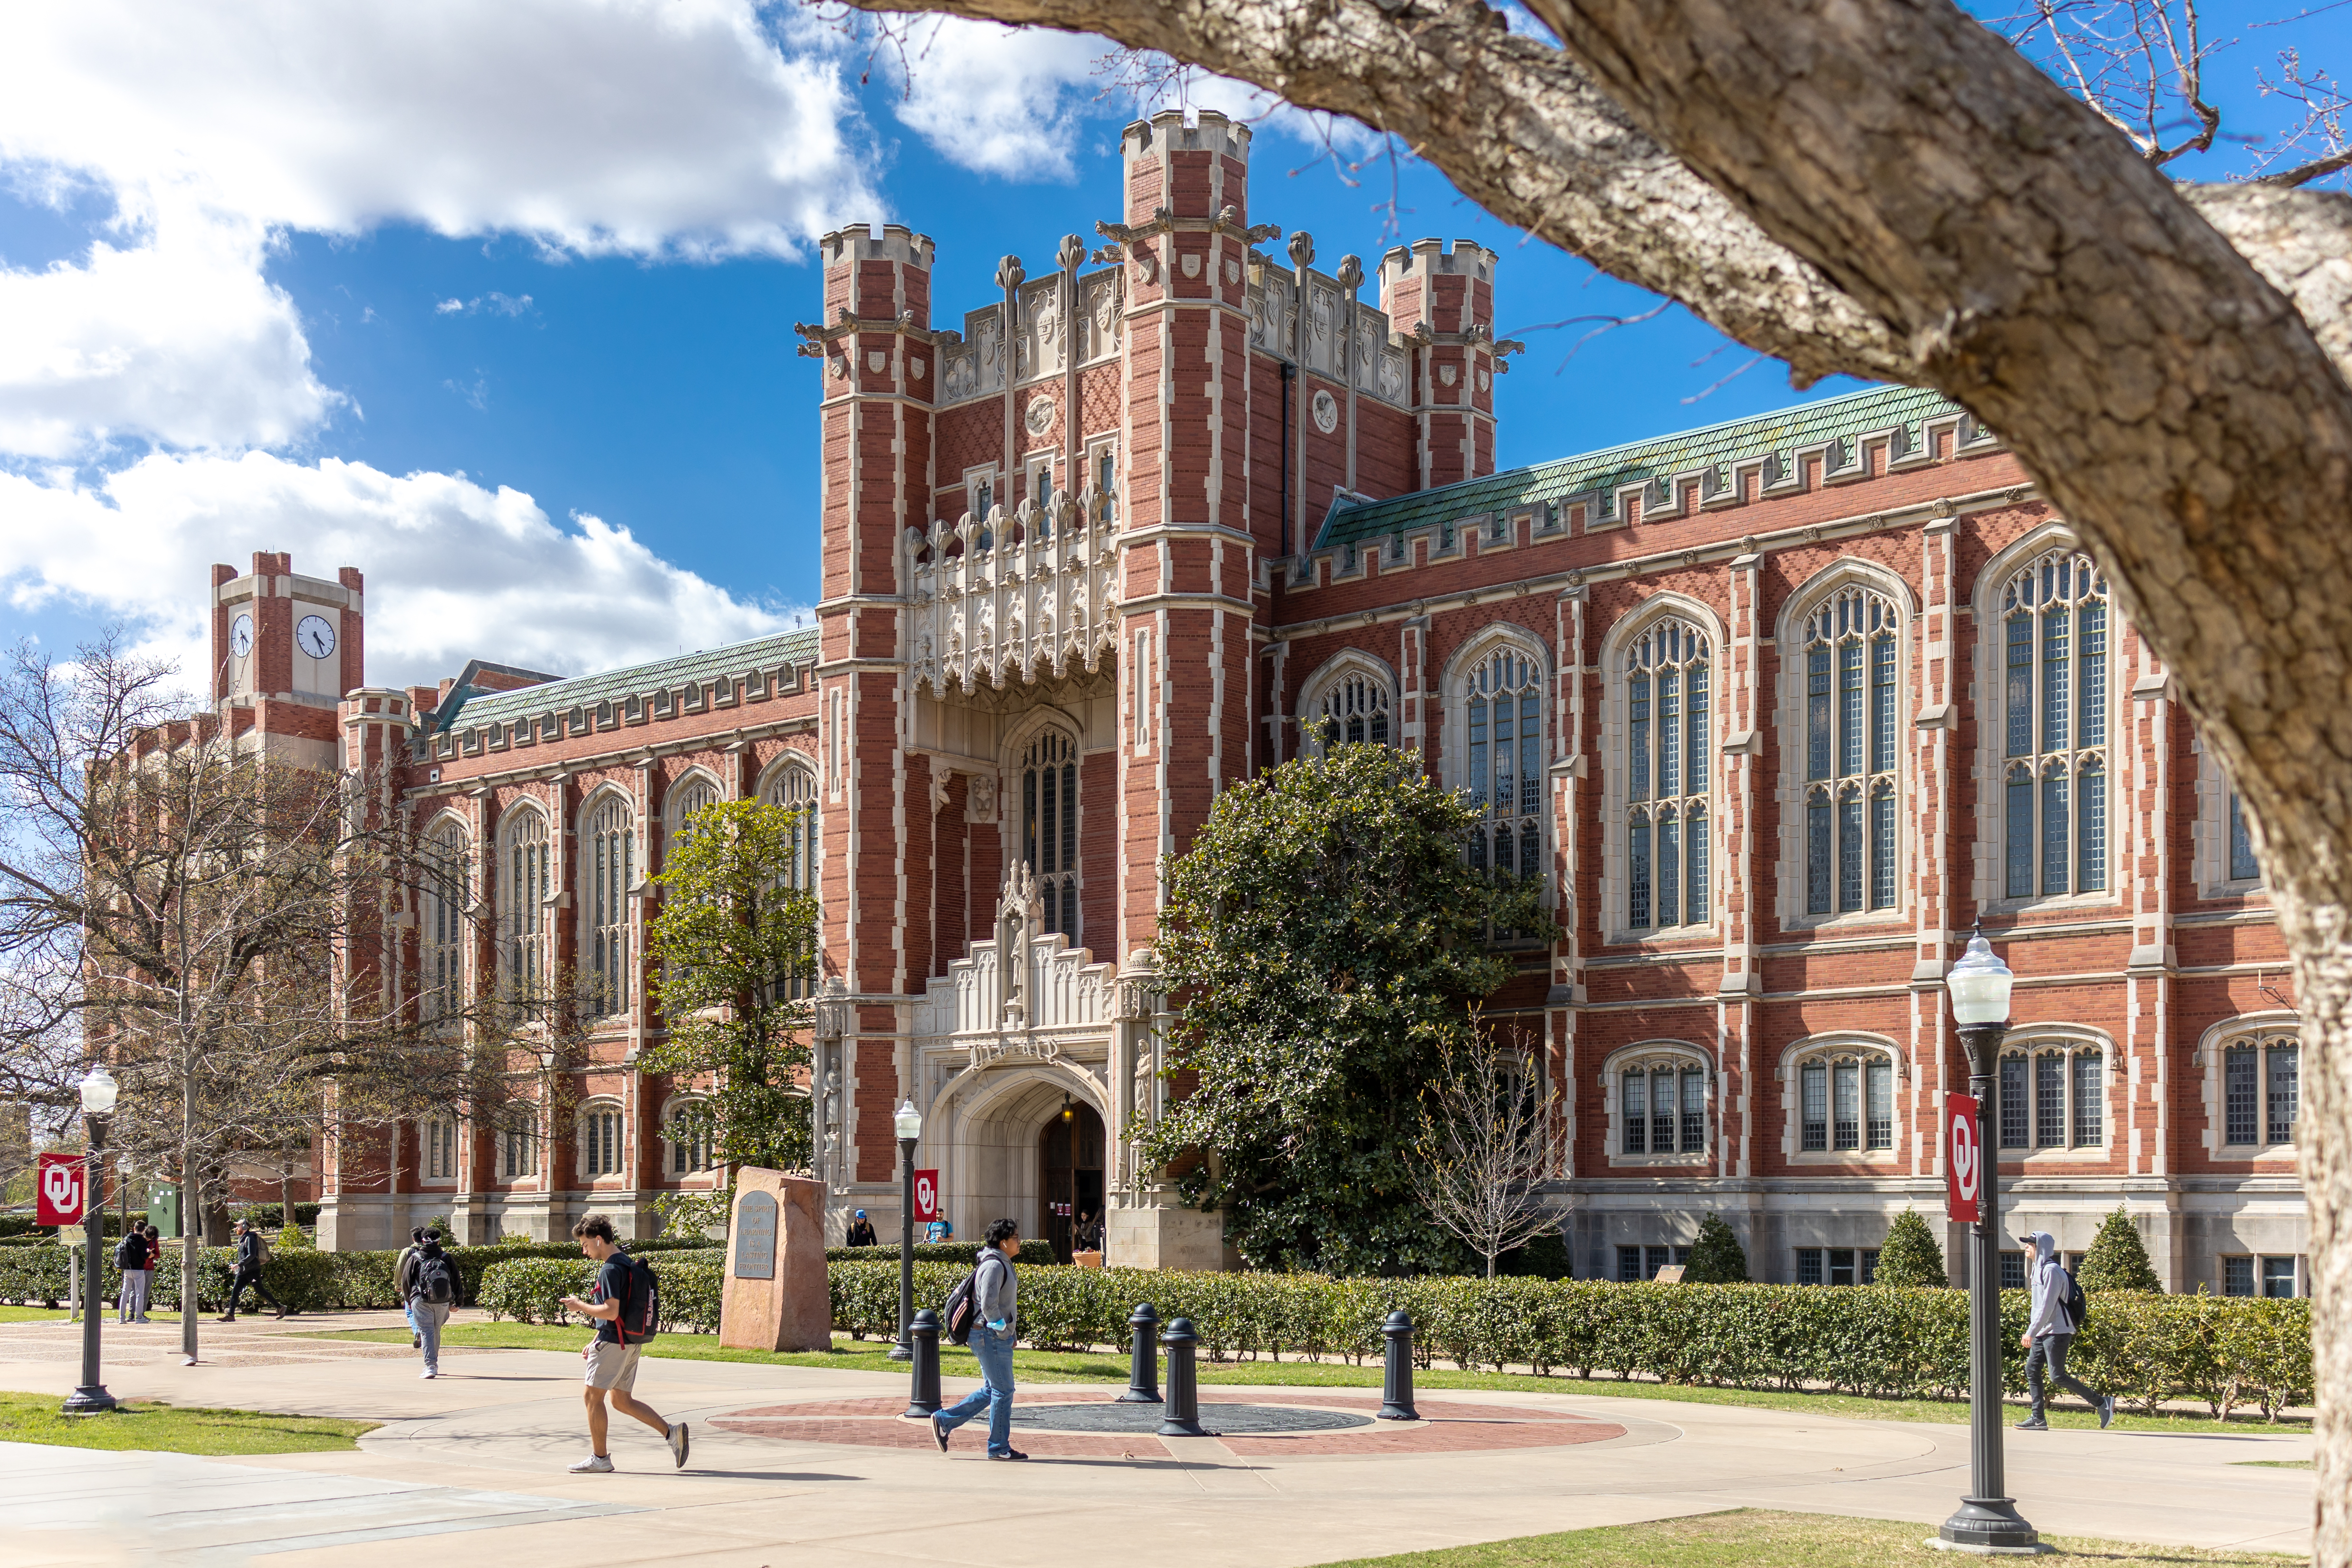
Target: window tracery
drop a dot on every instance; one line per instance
(2054, 618)
(2052, 1094)
(441, 965)
(1669, 771)
(527, 886)
(1352, 710)
(1660, 1107)
(601, 1145)
(1049, 828)
(608, 874)
(1844, 1099)
(1503, 760)
(1851, 718)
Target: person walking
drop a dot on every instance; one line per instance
(995, 1296)
(861, 1233)
(2050, 1334)
(403, 1279)
(612, 1359)
(131, 1256)
(147, 1275)
(429, 1287)
(251, 1254)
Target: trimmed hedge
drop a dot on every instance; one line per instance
(531, 1290)
(2148, 1349)
(1033, 1254)
(273, 1215)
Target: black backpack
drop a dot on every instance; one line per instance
(436, 1282)
(130, 1252)
(640, 1318)
(2078, 1306)
(962, 1311)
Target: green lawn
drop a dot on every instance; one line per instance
(166, 1428)
(1757, 1538)
(1082, 1366)
(2276, 1463)
(46, 1315)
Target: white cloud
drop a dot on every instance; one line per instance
(648, 127)
(178, 338)
(454, 571)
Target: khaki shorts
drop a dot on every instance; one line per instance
(612, 1366)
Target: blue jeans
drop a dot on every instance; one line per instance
(994, 1352)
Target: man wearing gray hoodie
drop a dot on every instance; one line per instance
(2050, 1334)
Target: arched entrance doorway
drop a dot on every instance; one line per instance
(1069, 1173)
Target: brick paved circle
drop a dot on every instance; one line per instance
(1445, 1427)
(1219, 1419)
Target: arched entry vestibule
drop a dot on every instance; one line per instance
(1069, 1174)
(993, 1124)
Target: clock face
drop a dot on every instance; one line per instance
(315, 637)
(240, 635)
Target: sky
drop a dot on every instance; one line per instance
(496, 303)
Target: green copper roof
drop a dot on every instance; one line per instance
(736, 658)
(1659, 458)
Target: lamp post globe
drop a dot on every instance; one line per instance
(98, 1091)
(1986, 1521)
(909, 1124)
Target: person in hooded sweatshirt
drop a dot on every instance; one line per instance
(2050, 1334)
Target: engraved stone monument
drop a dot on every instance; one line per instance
(776, 1298)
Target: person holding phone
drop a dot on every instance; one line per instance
(612, 1361)
(995, 1293)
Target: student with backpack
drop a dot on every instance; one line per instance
(252, 1252)
(980, 1311)
(131, 1255)
(626, 1307)
(2059, 1310)
(429, 1287)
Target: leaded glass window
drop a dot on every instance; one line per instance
(1845, 1101)
(1661, 1107)
(1352, 711)
(1049, 828)
(2054, 728)
(794, 786)
(607, 875)
(1851, 746)
(440, 1142)
(2054, 1095)
(690, 1135)
(441, 963)
(1504, 761)
(599, 1141)
(519, 1145)
(1668, 776)
(525, 895)
(2244, 867)
(692, 793)
(2261, 1090)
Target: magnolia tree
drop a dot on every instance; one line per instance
(1885, 188)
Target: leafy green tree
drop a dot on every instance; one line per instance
(1716, 1258)
(1325, 938)
(732, 950)
(1910, 1255)
(2117, 1259)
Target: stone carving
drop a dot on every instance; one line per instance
(1447, 374)
(1192, 264)
(876, 359)
(1390, 382)
(1326, 411)
(1034, 588)
(980, 798)
(1040, 417)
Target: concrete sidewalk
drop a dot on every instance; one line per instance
(482, 1451)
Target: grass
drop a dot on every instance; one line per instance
(1095, 1366)
(57, 1315)
(2276, 1463)
(1757, 1539)
(170, 1429)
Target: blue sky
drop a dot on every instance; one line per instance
(498, 306)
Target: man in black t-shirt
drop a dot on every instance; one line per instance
(612, 1363)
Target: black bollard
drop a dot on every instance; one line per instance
(1182, 1416)
(925, 1334)
(1143, 1362)
(1396, 1383)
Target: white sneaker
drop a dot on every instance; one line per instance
(678, 1443)
(429, 1373)
(593, 1465)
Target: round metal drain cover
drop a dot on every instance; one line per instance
(1217, 1419)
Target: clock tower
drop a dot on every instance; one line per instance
(285, 649)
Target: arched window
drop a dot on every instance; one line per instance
(441, 963)
(439, 1137)
(2054, 618)
(1049, 828)
(793, 785)
(1661, 1103)
(688, 1134)
(525, 896)
(519, 1143)
(2261, 1090)
(2052, 1094)
(688, 795)
(1353, 710)
(1851, 720)
(1503, 760)
(1845, 1099)
(608, 871)
(601, 1145)
(1668, 773)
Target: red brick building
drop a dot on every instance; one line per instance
(1780, 708)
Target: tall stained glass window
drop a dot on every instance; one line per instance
(1049, 828)
(1669, 774)
(1504, 761)
(1850, 748)
(2054, 621)
(609, 872)
(442, 963)
(525, 897)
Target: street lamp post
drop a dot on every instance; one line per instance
(98, 1092)
(1986, 1521)
(909, 1124)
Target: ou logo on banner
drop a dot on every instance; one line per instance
(927, 1194)
(60, 1190)
(1964, 1158)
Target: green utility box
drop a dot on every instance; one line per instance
(163, 1212)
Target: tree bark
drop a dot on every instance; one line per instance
(1884, 188)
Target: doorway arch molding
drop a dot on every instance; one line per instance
(990, 1116)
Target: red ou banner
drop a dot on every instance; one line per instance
(1964, 1158)
(60, 1190)
(927, 1194)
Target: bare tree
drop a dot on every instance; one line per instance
(1489, 1140)
(1884, 188)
